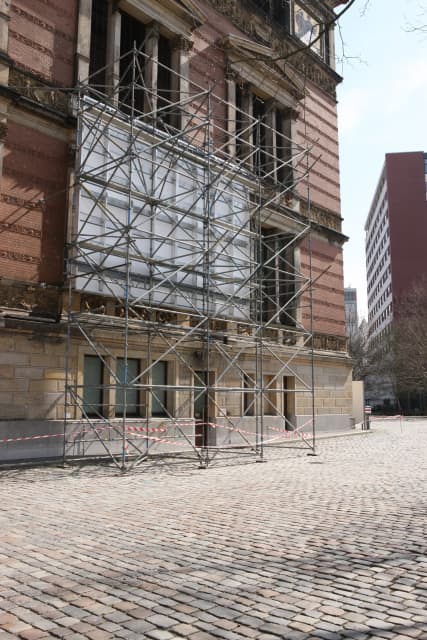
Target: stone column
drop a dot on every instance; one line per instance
(113, 50)
(246, 136)
(291, 132)
(180, 81)
(230, 80)
(331, 62)
(271, 140)
(83, 39)
(151, 68)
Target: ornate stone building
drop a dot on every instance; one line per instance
(171, 255)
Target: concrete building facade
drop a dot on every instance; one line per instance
(224, 96)
(396, 235)
(395, 231)
(350, 305)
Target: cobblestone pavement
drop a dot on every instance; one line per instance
(301, 547)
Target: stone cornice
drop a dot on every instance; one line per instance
(251, 61)
(31, 300)
(324, 220)
(327, 342)
(180, 18)
(29, 91)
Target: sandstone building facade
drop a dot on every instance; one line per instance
(171, 256)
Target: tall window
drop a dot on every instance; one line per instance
(276, 11)
(132, 35)
(277, 277)
(248, 395)
(148, 84)
(159, 398)
(93, 373)
(98, 45)
(132, 393)
(164, 80)
(264, 133)
(270, 396)
(309, 30)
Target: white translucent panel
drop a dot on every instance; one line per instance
(113, 262)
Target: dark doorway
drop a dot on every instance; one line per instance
(203, 406)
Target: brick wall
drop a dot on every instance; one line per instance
(328, 291)
(317, 126)
(33, 206)
(207, 70)
(42, 38)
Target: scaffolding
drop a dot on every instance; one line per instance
(184, 296)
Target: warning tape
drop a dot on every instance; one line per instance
(24, 438)
(144, 431)
(285, 434)
(80, 432)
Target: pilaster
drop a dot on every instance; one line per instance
(151, 68)
(83, 39)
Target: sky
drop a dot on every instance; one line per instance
(382, 108)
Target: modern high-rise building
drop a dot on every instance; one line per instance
(396, 241)
(350, 305)
(396, 236)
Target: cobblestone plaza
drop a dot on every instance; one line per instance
(300, 547)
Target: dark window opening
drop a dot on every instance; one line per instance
(132, 35)
(159, 397)
(275, 11)
(277, 278)
(98, 45)
(281, 13)
(124, 381)
(164, 81)
(248, 396)
(93, 374)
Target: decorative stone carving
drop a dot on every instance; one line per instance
(36, 300)
(325, 342)
(285, 50)
(321, 216)
(32, 88)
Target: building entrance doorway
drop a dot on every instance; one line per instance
(202, 406)
(289, 402)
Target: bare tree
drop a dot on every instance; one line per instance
(358, 350)
(409, 341)
(420, 23)
(416, 24)
(397, 359)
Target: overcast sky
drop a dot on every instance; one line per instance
(382, 108)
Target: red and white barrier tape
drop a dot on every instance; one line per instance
(284, 434)
(80, 432)
(144, 431)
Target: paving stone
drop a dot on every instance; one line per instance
(161, 621)
(184, 630)
(289, 549)
(31, 634)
